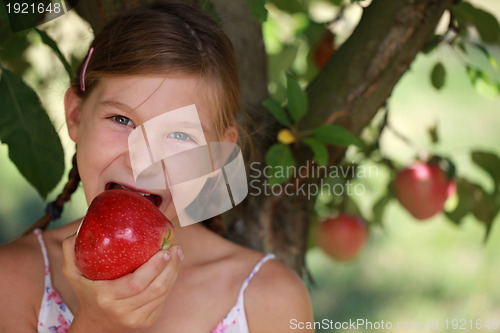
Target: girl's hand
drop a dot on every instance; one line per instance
(128, 304)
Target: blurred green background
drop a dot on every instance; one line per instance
(416, 271)
(419, 271)
(410, 271)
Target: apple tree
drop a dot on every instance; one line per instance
(309, 99)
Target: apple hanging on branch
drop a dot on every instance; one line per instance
(120, 232)
(423, 188)
(342, 237)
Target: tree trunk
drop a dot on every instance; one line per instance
(357, 81)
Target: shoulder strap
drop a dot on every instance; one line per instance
(254, 271)
(38, 233)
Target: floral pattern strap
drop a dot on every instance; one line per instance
(236, 320)
(54, 316)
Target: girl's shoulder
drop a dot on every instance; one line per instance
(22, 271)
(275, 295)
(20, 260)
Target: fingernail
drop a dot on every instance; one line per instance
(166, 256)
(180, 254)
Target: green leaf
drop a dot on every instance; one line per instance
(380, 205)
(53, 45)
(438, 76)
(431, 44)
(258, 9)
(336, 135)
(291, 6)
(280, 62)
(3, 13)
(279, 157)
(297, 98)
(482, 82)
(13, 46)
(474, 74)
(486, 207)
(473, 198)
(490, 163)
(465, 202)
(484, 50)
(433, 133)
(379, 208)
(208, 7)
(319, 150)
(485, 23)
(312, 234)
(277, 111)
(350, 206)
(460, 44)
(446, 165)
(34, 146)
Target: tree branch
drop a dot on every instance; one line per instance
(363, 72)
(355, 83)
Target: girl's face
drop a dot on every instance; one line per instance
(101, 124)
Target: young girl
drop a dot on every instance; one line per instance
(145, 63)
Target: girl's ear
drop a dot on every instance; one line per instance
(73, 110)
(231, 134)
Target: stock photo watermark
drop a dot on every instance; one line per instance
(364, 325)
(260, 175)
(26, 14)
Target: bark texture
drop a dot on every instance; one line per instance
(356, 82)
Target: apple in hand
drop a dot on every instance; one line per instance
(422, 189)
(342, 237)
(120, 232)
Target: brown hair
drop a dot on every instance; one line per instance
(163, 38)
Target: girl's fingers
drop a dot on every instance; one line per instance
(151, 311)
(151, 275)
(159, 288)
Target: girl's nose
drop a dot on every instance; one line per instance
(138, 154)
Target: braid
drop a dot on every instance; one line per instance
(54, 209)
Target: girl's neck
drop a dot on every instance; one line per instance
(198, 243)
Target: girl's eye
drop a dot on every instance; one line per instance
(123, 121)
(180, 136)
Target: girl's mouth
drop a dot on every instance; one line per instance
(155, 199)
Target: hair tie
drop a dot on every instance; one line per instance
(82, 76)
(53, 210)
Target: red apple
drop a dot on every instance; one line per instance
(342, 237)
(422, 189)
(120, 232)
